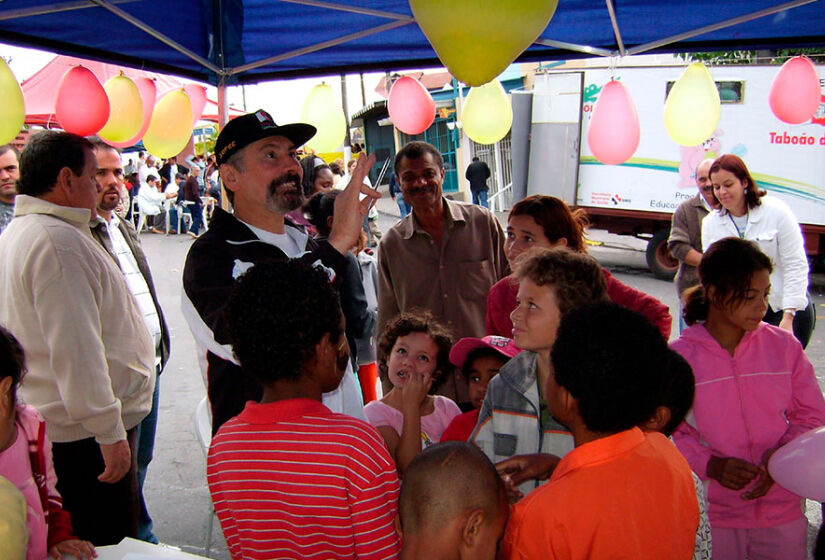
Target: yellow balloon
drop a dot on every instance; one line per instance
(477, 39)
(171, 125)
(323, 111)
(692, 108)
(487, 114)
(12, 107)
(126, 109)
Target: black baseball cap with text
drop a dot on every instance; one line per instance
(244, 130)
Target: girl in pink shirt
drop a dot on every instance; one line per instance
(755, 392)
(26, 461)
(414, 351)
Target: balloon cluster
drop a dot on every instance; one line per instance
(122, 111)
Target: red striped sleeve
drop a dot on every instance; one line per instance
(315, 486)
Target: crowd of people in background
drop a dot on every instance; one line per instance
(448, 388)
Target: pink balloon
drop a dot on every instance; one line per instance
(795, 92)
(197, 96)
(411, 107)
(82, 106)
(613, 135)
(148, 92)
(798, 465)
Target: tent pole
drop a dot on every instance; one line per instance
(716, 26)
(612, 11)
(53, 9)
(223, 105)
(156, 34)
(223, 112)
(574, 47)
(317, 47)
(351, 9)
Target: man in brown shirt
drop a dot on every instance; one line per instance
(685, 242)
(443, 257)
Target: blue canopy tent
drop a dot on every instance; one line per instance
(226, 42)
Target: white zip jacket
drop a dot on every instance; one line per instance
(776, 230)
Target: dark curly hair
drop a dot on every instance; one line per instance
(12, 358)
(577, 277)
(612, 361)
(728, 265)
(416, 321)
(276, 315)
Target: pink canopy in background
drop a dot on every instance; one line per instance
(40, 91)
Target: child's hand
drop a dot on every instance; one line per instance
(764, 482)
(82, 550)
(415, 389)
(732, 473)
(520, 468)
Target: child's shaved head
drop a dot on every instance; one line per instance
(447, 481)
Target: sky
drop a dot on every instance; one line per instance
(282, 99)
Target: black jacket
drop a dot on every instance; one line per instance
(166, 172)
(477, 173)
(130, 234)
(359, 319)
(225, 251)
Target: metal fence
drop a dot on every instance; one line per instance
(499, 158)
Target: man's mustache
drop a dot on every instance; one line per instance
(283, 179)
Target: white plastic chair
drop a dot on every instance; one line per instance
(203, 429)
(141, 222)
(184, 216)
(136, 212)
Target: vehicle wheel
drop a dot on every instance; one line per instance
(659, 260)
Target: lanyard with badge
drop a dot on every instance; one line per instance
(739, 232)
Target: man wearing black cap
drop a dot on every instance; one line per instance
(262, 177)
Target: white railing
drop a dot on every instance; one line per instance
(500, 200)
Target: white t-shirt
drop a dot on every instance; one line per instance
(293, 243)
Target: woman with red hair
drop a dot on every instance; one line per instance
(748, 214)
(546, 221)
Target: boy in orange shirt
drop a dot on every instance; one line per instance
(620, 491)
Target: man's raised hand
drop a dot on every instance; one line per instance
(349, 213)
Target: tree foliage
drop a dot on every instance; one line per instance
(779, 56)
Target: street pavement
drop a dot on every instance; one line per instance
(176, 491)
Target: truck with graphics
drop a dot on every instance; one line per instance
(639, 196)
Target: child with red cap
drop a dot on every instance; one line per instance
(479, 360)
